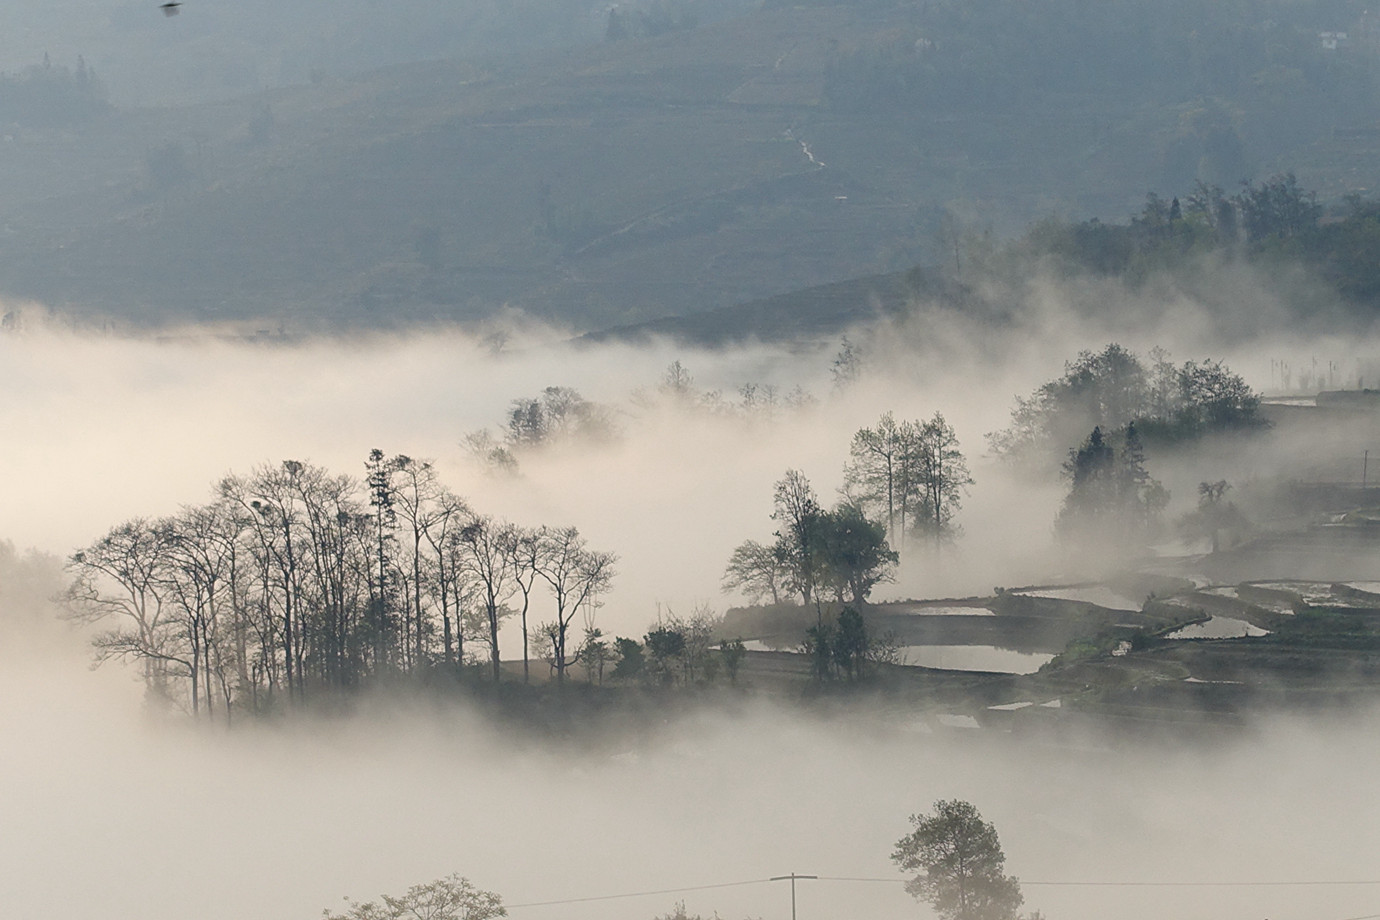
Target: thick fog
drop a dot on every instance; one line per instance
(107, 428)
(108, 811)
(104, 813)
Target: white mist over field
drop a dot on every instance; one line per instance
(104, 812)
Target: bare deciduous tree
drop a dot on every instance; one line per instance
(577, 577)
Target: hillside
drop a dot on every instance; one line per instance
(620, 182)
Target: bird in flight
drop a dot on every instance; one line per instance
(171, 8)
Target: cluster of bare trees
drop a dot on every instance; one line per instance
(756, 402)
(294, 580)
(909, 473)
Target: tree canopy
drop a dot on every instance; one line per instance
(449, 898)
(842, 552)
(960, 863)
(1112, 498)
(1114, 388)
(294, 580)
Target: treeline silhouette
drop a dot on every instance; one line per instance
(295, 581)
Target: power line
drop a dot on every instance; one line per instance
(901, 881)
(792, 877)
(639, 894)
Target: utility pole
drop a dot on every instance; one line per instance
(1365, 464)
(792, 877)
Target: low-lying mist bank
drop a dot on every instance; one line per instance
(108, 428)
(109, 812)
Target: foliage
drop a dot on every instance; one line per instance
(665, 647)
(797, 512)
(1114, 388)
(961, 864)
(681, 649)
(630, 661)
(680, 913)
(577, 577)
(1112, 498)
(733, 652)
(841, 551)
(1213, 516)
(908, 472)
(847, 366)
(854, 556)
(883, 472)
(818, 647)
(594, 654)
(1107, 387)
(943, 478)
(450, 898)
(844, 648)
(558, 415)
(1274, 223)
(30, 584)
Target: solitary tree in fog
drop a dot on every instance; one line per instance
(677, 384)
(961, 864)
(847, 365)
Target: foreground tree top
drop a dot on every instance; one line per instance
(961, 864)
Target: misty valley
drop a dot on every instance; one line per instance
(690, 459)
(318, 608)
